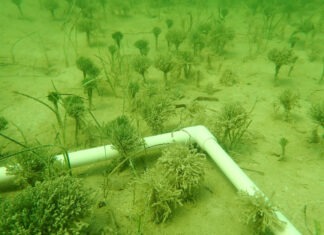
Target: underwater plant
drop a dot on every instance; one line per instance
(186, 60)
(222, 13)
(141, 64)
(156, 32)
(3, 126)
(117, 36)
(121, 8)
(89, 84)
(112, 51)
(184, 168)
(54, 97)
(87, 25)
(32, 165)
(74, 107)
(87, 66)
(124, 137)
(271, 18)
(198, 40)
(107, 74)
(260, 214)
(307, 28)
(51, 5)
(143, 46)
(228, 78)
(52, 207)
(17, 3)
(283, 143)
(317, 113)
(231, 124)
(175, 37)
(169, 23)
(280, 58)
(3, 123)
(132, 89)
(293, 39)
(163, 198)
(155, 109)
(219, 37)
(289, 100)
(164, 63)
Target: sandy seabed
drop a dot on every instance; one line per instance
(37, 51)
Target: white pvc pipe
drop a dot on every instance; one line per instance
(234, 173)
(195, 134)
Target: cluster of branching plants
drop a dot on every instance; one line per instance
(260, 214)
(73, 106)
(231, 125)
(288, 100)
(152, 104)
(317, 115)
(56, 206)
(126, 139)
(174, 180)
(29, 162)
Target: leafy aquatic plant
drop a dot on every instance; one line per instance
(54, 97)
(88, 67)
(141, 64)
(184, 168)
(228, 78)
(143, 46)
(169, 23)
(132, 89)
(280, 58)
(306, 27)
(317, 113)
(164, 63)
(289, 100)
(283, 143)
(155, 109)
(33, 165)
(198, 38)
(222, 13)
(51, 207)
(156, 32)
(117, 36)
(175, 37)
(219, 37)
(87, 25)
(231, 125)
(3, 123)
(74, 107)
(124, 137)
(260, 214)
(89, 84)
(112, 50)
(186, 60)
(162, 199)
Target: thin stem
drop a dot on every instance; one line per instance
(13, 140)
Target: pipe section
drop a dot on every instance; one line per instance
(233, 172)
(196, 134)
